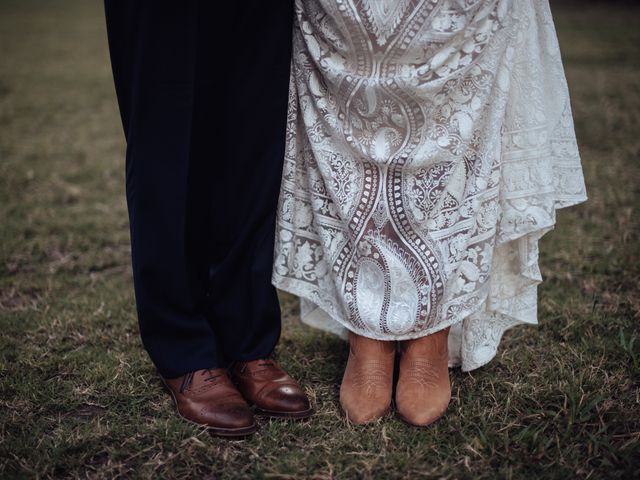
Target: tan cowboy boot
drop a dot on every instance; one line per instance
(423, 390)
(365, 393)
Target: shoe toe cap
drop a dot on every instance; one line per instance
(230, 416)
(285, 398)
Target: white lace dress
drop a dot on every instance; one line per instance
(429, 145)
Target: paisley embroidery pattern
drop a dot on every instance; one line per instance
(429, 144)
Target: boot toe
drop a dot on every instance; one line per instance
(360, 412)
(361, 417)
(421, 414)
(422, 418)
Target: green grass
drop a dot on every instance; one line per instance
(79, 398)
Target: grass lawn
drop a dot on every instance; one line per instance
(79, 397)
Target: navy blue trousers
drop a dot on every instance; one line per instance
(202, 88)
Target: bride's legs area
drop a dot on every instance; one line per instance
(423, 390)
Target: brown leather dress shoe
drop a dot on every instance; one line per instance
(208, 398)
(423, 391)
(365, 392)
(273, 392)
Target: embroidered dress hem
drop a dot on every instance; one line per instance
(429, 145)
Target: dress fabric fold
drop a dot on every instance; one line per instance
(429, 144)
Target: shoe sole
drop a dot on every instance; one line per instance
(288, 415)
(218, 431)
(372, 420)
(419, 425)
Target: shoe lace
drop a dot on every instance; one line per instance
(188, 378)
(268, 362)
